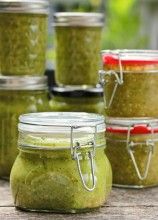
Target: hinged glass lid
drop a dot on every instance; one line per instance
(135, 125)
(129, 57)
(60, 121)
(24, 6)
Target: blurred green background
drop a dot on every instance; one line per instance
(129, 24)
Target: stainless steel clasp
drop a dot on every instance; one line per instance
(77, 154)
(131, 145)
(118, 76)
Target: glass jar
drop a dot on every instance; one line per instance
(132, 148)
(78, 43)
(23, 37)
(77, 100)
(62, 166)
(17, 95)
(130, 80)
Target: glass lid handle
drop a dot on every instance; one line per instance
(91, 157)
(148, 160)
(118, 81)
(130, 146)
(77, 155)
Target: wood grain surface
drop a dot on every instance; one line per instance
(123, 204)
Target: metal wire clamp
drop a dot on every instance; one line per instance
(130, 148)
(118, 81)
(77, 155)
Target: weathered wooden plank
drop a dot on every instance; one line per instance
(107, 213)
(5, 194)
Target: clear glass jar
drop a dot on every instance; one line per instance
(17, 95)
(78, 43)
(23, 37)
(62, 166)
(130, 81)
(132, 148)
(77, 100)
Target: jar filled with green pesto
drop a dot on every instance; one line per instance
(77, 100)
(130, 81)
(61, 166)
(132, 148)
(18, 95)
(78, 43)
(23, 37)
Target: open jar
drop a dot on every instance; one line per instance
(130, 81)
(23, 37)
(62, 166)
(18, 95)
(132, 148)
(78, 43)
(77, 100)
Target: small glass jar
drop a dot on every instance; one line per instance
(130, 80)
(17, 95)
(132, 148)
(62, 166)
(77, 100)
(78, 43)
(23, 37)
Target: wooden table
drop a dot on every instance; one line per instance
(124, 204)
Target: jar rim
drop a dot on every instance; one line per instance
(132, 125)
(24, 6)
(23, 83)
(129, 57)
(53, 122)
(83, 19)
(77, 92)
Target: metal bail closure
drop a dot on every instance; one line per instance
(130, 148)
(77, 155)
(118, 81)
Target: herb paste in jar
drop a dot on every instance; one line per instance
(14, 102)
(23, 40)
(45, 177)
(136, 94)
(77, 49)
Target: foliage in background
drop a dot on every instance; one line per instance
(123, 25)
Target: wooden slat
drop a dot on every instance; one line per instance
(107, 213)
(123, 204)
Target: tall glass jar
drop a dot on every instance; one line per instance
(17, 95)
(130, 81)
(78, 43)
(23, 37)
(132, 148)
(61, 166)
(77, 100)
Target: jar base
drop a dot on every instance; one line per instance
(58, 211)
(133, 186)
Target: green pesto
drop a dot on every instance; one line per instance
(23, 44)
(48, 180)
(124, 172)
(136, 97)
(82, 104)
(12, 105)
(77, 54)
